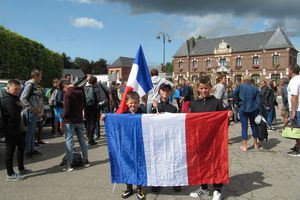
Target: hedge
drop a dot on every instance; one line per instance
(20, 55)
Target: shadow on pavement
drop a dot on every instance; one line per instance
(56, 169)
(244, 183)
(270, 144)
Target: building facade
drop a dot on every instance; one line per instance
(264, 55)
(120, 69)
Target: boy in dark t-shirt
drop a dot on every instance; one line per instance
(207, 103)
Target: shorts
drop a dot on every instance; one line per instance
(58, 114)
(284, 112)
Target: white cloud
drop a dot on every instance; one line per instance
(87, 22)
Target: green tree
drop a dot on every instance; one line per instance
(168, 67)
(82, 63)
(67, 61)
(100, 66)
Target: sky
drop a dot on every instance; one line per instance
(108, 29)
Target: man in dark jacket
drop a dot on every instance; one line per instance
(11, 108)
(74, 103)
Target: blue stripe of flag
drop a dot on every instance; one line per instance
(126, 149)
(143, 76)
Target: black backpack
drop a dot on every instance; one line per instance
(76, 162)
(90, 96)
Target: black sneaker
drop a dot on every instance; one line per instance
(92, 143)
(294, 148)
(127, 193)
(155, 189)
(177, 188)
(35, 152)
(140, 195)
(295, 153)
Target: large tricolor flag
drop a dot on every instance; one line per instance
(139, 79)
(168, 149)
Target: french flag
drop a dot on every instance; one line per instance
(168, 149)
(139, 79)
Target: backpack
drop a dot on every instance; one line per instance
(1, 116)
(104, 97)
(76, 162)
(90, 96)
(52, 99)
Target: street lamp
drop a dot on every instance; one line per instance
(164, 36)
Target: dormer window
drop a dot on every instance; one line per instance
(180, 64)
(275, 60)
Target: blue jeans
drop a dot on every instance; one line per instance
(297, 122)
(271, 115)
(30, 135)
(244, 116)
(69, 129)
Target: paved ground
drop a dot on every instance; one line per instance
(257, 174)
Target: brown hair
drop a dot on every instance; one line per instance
(205, 80)
(35, 73)
(132, 95)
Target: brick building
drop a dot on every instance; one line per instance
(263, 55)
(120, 69)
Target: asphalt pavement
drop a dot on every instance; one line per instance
(264, 174)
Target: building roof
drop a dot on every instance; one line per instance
(74, 72)
(239, 43)
(122, 62)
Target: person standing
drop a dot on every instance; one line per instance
(267, 102)
(91, 111)
(186, 96)
(114, 95)
(220, 90)
(30, 100)
(153, 93)
(249, 101)
(207, 103)
(293, 90)
(11, 108)
(74, 103)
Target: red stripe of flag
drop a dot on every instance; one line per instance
(123, 106)
(207, 147)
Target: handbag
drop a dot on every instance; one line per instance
(291, 132)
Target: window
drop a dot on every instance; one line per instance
(275, 59)
(256, 78)
(275, 77)
(208, 64)
(255, 61)
(194, 63)
(180, 77)
(238, 78)
(194, 78)
(238, 62)
(222, 62)
(180, 64)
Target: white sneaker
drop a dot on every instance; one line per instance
(199, 193)
(15, 177)
(217, 195)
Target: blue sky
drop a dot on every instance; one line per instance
(95, 29)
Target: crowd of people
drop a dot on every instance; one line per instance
(79, 109)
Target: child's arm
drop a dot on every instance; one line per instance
(102, 117)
